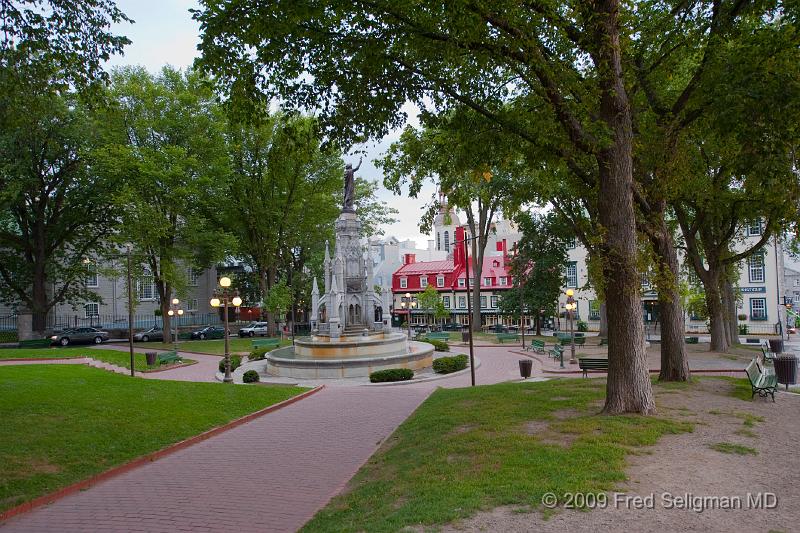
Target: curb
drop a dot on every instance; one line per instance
(45, 359)
(435, 377)
(148, 458)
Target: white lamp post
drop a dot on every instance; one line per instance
(227, 295)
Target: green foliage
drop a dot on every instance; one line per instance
(279, 298)
(251, 376)
(257, 354)
(743, 329)
(447, 365)
(430, 302)
(391, 374)
(438, 345)
(583, 326)
(236, 362)
(736, 449)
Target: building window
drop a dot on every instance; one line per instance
(423, 281)
(483, 302)
(403, 283)
(460, 282)
(594, 310)
(571, 244)
(572, 275)
(91, 275)
(446, 302)
(92, 310)
(755, 267)
(471, 282)
(754, 228)
(503, 280)
(438, 240)
(493, 302)
(645, 282)
(194, 274)
(192, 304)
(440, 281)
(487, 282)
(789, 300)
(446, 241)
(797, 283)
(462, 302)
(758, 308)
(145, 286)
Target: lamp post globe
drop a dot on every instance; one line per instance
(225, 282)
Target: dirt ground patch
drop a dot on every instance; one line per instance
(686, 464)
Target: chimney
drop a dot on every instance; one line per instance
(409, 259)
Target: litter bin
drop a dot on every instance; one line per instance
(465, 336)
(151, 358)
(525, 367)
(786, 369)
(776, 345)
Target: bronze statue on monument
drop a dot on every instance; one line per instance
(350, 187)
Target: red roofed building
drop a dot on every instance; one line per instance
(449, 278)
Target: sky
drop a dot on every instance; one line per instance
(164, 33)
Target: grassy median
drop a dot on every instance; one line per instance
(114, 357)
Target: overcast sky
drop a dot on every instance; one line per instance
(164, 33)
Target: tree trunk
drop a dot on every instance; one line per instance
(603, 321)
(729, 307)
(674, 363)
(628, 387)
(716, 313)
(165, 296)
(538, 324)
(39, 300)
(477, 271)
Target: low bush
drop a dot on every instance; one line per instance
(583, 326)
(251, 376)
(391, 374)
(257, 354)
(742, 329)
(236, 362)
(446, 365)
(438, 345)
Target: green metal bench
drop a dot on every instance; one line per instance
(507, 337)
(592, 363)
(692, 340)
(537, 346)
(168, 357)
(35, 343)
(761, 382)
(266, 343)
(556, 352)
(438, 336)
(603, 341)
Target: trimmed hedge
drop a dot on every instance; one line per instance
(391, 374)
(257, 354)
(236, 362)
(446, 365)
(251, 376)
(439, 346)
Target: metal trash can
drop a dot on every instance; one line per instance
(786, 369)
(525, 367)
(776, 345)
(465, 336)
(151, 358)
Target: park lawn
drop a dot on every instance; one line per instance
(65, 423)
(210, 346)
(114, 357)
(471, 449)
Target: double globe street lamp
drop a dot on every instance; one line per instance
(222, 296)
(174, 311)
(408, 303)
(570, 306)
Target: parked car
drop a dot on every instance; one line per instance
(209, 332)
(254, 328)
(153, 334)
(79, 335)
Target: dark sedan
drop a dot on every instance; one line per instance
(152, 334)
(80, 335)
(209, 332)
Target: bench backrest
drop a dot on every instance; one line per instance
(753, 372)
(538, 343)
(592, 362)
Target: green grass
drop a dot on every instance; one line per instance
(744, 432)
(476, 448)
(211, 346)
(736, 449)
(114, 357)
(64, 423)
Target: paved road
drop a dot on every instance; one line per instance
(271, 474)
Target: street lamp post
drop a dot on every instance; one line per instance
(222, 296)
(176, 312)
(408, 304)
(469, 304)
(570, 307)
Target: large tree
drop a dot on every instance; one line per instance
(165, 140)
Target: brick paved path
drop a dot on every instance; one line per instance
(271, 474)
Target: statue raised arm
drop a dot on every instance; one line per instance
(349, 186)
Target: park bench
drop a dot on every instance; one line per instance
(603, 341)
(438, 336)
(692, 340)
(35, 343)
(580, 341)
(266, 343)
(537, 346)
(761, 382)
(556, 352)
(168, 357)
(507, 337)
(592, 363)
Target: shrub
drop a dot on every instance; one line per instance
(391, 374)
(257, 354)
(583, 326)
(742, 329)
(251, 376)
(439, 346)
(741, 316)
(446, 365)
(236, 362)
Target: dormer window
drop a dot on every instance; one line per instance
(440, 281)
(403, 283)
(487, 282)
(460, 282)
(423, 281)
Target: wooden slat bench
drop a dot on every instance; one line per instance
(556, 352)
(592, 363)
(266, 343)
(692, 340)
(537, 346)
(35, 343)
(168, 357)
(507, 337)
(438, 336)
(761, 382)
